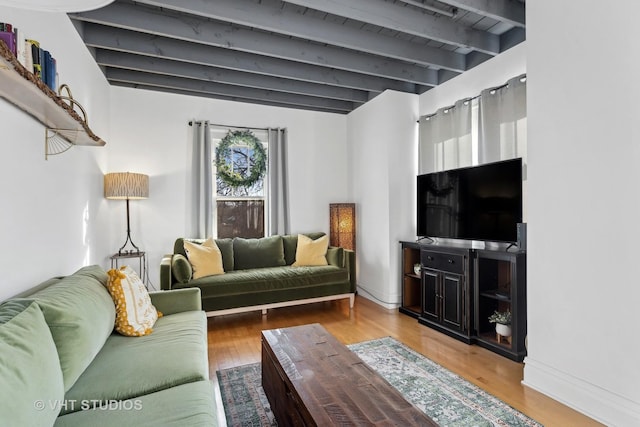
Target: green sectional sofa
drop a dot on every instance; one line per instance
(62, 364)
(258, 275)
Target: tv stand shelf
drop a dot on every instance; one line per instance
(23, 89)
(498, 294)
(460, 286)
(411, 282)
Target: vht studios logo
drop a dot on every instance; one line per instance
(74, 405)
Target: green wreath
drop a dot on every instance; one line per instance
(258, 160)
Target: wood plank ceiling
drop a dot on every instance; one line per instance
(322, 55)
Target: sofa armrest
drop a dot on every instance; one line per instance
(166, 276)
(350, 264)
(177, 300)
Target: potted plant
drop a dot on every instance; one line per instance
(502, 319)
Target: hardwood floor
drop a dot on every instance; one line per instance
(235, 340)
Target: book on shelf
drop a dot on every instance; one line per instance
(28, 55)
(20, 47)
(43, 65)
(9, 38)
(36, 58)
(49, 70)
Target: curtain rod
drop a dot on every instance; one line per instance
(521, 77)
(191, 122)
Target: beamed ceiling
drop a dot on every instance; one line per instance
(322, 55)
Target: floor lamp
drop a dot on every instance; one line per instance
(126, 186)
(342, 225)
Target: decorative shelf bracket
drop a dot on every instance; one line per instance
(58, 141)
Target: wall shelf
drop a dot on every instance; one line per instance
(57, 113)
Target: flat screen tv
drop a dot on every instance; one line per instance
(476, 203)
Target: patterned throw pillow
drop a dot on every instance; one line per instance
(135, 315)
(311, 252)
(205, 259)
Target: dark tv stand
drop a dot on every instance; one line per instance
(460, 285)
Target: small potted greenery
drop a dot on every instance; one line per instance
(502, 319)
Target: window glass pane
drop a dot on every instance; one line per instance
(241, 161)
(240, 218)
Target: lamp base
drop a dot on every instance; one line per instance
(122, 251)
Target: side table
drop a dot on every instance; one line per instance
(142, 263)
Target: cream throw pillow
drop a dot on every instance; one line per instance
(135, 315)
(311, 252)
(205, 259)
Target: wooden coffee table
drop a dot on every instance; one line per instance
(312, 379)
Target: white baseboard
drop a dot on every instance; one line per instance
(602, 405)
(378, 299)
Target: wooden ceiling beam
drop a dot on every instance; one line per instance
(271, 17)
(168, 67)
(99, 36)
(389, 15)
(509, 11)
(142, 86)
(204, 31)
(213, 88)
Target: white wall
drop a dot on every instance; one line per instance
(382, 137)
(584, 205)
(151, 135)
(51, 219)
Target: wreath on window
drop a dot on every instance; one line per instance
(257, 160)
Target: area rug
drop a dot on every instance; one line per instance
(446, 397)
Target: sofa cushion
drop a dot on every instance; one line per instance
(290, 245)
(135, 315)
(258, 253)
(226, 249)
(205, 258)
(175, 353)
(311, 252)
(242, 282)
(189, 404)
(32, 381)
(225, 246)
(81, 315)
(181, 268)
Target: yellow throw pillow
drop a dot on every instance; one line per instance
(311, 252)
(205, 259)
(135, 315)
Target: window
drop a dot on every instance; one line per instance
(240, 159)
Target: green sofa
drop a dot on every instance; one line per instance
(259, 276)
(62, 364)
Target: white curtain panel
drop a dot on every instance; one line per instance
(502, 122)
(278, 183)
(201, 215)
(446, 138)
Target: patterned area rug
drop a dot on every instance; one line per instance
(447, 398)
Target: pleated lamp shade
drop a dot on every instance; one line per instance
(126, 185)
